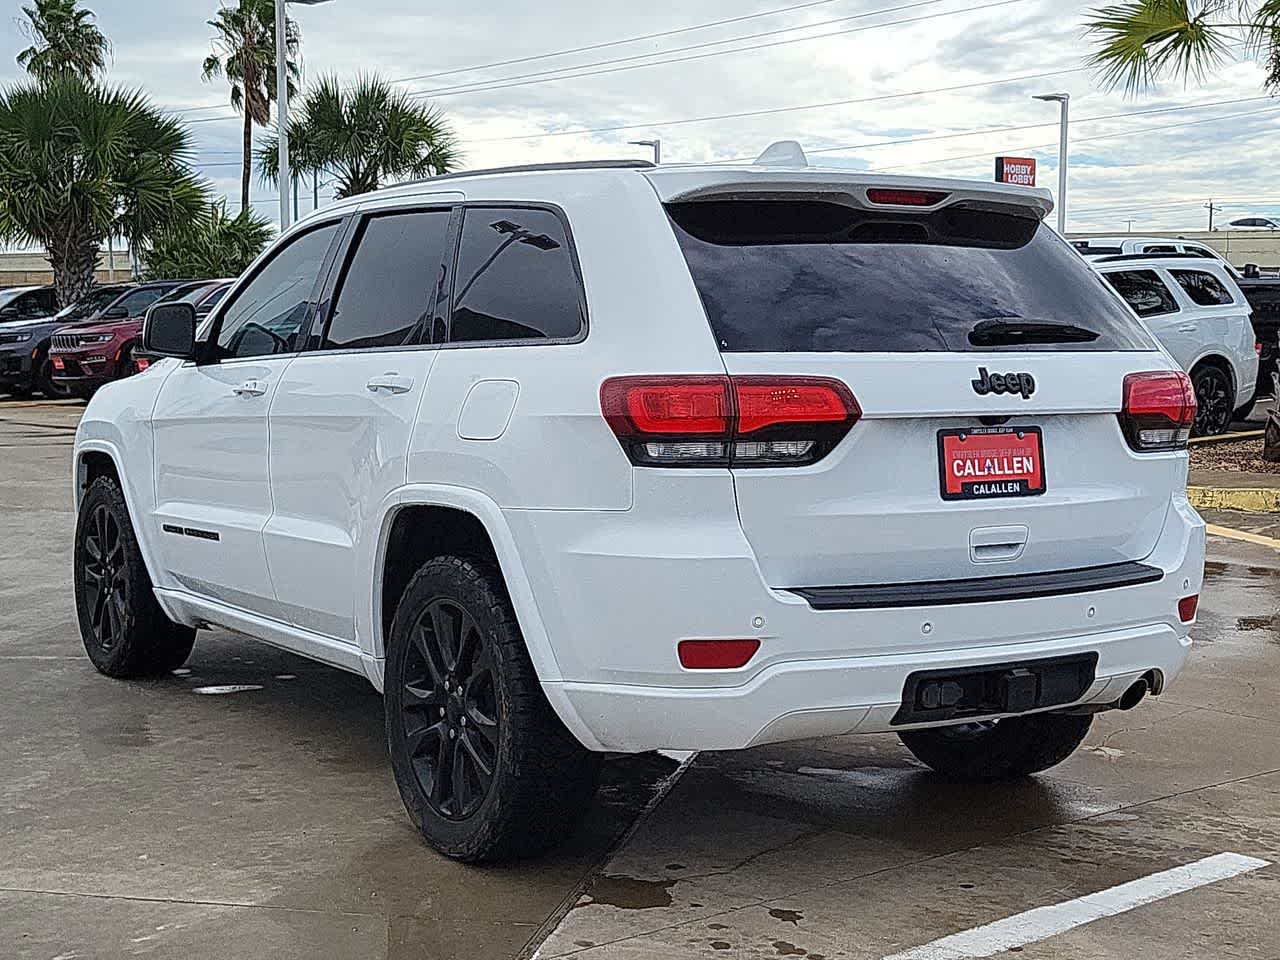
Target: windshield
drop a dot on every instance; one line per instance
(90, 305)
(8, 296)
(817, 276)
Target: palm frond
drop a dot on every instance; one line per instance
(1143, 40)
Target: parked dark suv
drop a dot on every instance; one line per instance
(27, 317)
(88, 356)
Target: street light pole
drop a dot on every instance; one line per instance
(655, 144)
(282, 112)
(1063, 100)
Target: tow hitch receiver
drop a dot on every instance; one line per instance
(933, 695)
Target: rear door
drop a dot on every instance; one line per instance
(1153, 296)
(973, 339)
(344, 413)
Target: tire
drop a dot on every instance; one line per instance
(19, 392)
(45, 382)
(540, 782)
(125, 632)
(999, 750)
(1214, 400)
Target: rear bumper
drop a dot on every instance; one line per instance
(803, 699)
(616, 604)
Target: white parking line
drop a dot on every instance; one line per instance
(1044, 922)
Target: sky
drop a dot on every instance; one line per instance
(935, 87)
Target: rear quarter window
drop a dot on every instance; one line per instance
(1144, 291)
(782, 275)
(1203, 288)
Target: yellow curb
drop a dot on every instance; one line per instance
(1244, 499)
(1259, 539)
(1228, 437)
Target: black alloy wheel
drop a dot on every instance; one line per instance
(1214, 403)
(106, 581)
(449, 710)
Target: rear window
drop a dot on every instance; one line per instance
(818, 276)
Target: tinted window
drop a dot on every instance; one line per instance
(1203, 288)
(1144, 291)
(212, 300)
(809, 275)
(515, 278)
(268, 314)
(91, 304)
(387, 294)
(1159, 248)
(137, 302)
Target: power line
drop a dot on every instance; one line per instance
(1076, 140)
(614, 43)
(542, 77)
(776, 110)
(626, 40)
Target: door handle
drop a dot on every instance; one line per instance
(1187, 328)
(250, 388)
(390, 382)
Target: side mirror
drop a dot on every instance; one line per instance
(170, 330)
(8, 313)
(115, 313)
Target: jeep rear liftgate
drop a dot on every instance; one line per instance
(986, 369)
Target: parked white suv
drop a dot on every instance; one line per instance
(1198, 312)
(612, 457)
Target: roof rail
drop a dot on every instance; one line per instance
(538, 168)
(1171, 255)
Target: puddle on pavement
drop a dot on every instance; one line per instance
(787, 916)
(628, 893)
(1256, 623)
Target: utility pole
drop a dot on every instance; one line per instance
(315, 191)
(1212, 210)
(1129, 222)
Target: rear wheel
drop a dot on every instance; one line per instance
(485, 768)
(1215, 402)
(125, 632)
(999, 749)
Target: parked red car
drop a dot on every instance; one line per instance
(86, 357)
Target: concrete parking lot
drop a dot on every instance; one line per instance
(148, 819)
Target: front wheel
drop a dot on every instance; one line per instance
(125, 632)
(999, 749)
(485, 768)
(1215, 401)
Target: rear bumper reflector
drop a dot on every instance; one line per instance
(1023, 586)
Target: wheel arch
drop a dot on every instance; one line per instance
(473, 513)
(460, 521)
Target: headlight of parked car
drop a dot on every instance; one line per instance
(14, 337)
(96, 338)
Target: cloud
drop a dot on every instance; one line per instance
(1155, 168)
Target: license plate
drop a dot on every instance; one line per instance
(988, 462)
(58, 364)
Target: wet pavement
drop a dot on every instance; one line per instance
(143, 819)
(848, 847)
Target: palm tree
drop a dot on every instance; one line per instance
(1141, 41)
(366, 135)
(244, 51)
(65, 41)
(79, 162)
(217, 246)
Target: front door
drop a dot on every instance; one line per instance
(343, 417)
(210, 428)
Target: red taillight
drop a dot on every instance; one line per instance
(141, 363)
(745, 421)
(716, 654)
(1159, 410)
(905, 198)
(1187, 608)
(1257, 347)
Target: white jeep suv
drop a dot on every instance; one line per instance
(614, 457)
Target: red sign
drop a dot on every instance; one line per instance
(1019, 170)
